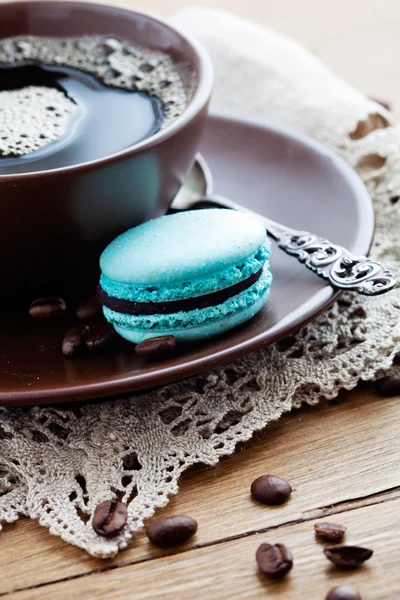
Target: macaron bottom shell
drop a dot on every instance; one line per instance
(196, 332)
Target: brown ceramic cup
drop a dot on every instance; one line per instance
(54, 224)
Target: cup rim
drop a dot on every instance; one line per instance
(195, 105)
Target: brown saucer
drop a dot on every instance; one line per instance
(278, 173)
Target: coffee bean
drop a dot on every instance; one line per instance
(74, 340)
(156, 347)
(270, 489)
(388, 386)
(382, 102)
(274, 561)
(171, 530)
(329, 531)
(89, 310)
(100, 342)
(109, 518)
(343, 592)
(348, 557)
(50, 307)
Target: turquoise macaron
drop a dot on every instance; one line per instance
(192, 275)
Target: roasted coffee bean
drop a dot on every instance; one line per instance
(274, 561)
(389, 386)
(156, 347)
(329, 531)
(100, 342)
(109, 518)
(348, 557)
(382, 102)
(50, 307)
(171, 530)
(343, 592)
(270, 489)
(89, 310)
(74, 340)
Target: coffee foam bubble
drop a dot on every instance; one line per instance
(26, 121)
(31, 118)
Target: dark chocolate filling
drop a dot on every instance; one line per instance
(162, 308)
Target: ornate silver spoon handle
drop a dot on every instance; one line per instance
(330, 261)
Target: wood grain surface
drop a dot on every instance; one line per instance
(341, 458)
(342, 461)
(228, 570)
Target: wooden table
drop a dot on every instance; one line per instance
(341, 458)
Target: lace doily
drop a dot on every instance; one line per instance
(58, 464)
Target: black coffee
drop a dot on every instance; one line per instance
(69, 101)
(103, 121)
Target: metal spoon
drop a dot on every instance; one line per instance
(329, 261)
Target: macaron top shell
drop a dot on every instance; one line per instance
(178, 247)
